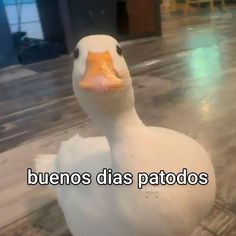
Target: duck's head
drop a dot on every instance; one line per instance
(101, 79)
(99, 66)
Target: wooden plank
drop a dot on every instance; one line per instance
(49, 221)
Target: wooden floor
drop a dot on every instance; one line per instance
(185, 80)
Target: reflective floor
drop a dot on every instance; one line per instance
(185, 81)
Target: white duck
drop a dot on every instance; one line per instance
(103, 87)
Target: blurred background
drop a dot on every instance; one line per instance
(46, 29)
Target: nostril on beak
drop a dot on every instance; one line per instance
(118, 75)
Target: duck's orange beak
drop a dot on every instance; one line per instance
(100, 74)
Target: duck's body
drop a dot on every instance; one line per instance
(130, 146)
(161, 210)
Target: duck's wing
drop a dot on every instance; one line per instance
(83, 155)
(77, 155)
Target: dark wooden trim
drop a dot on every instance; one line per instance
(67, 26)
(157, 13)
(56, 24)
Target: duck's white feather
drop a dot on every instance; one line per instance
(108, 210)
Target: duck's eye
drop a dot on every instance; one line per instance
(76, 53)
(119, 50)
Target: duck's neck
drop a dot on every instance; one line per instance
(113, 114)
(114, 126)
